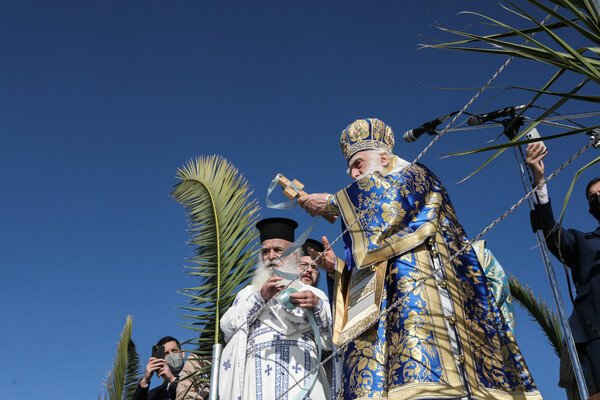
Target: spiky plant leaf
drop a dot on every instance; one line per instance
(539, 311)
(577, 20)
(122, 380)
(134, 371)
(222, 214)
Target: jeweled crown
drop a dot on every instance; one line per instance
(366, 134)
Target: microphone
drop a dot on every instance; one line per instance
(428, 127)
(478, 119)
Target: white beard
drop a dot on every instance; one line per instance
(372, 165)
(264, 271)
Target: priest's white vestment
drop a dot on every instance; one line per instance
(268, 352)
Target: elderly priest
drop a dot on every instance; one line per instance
(270, 347)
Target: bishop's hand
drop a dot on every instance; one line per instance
(315, 204)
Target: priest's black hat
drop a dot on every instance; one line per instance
(276, 228)
(314, 244)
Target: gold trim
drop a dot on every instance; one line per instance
(340, 313)
(345, 330)
(440, 332)
(433, 391)
(360, 275)
(363, 319)
(360, 295)
(362, 257)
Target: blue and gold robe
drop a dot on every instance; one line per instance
(445, 338)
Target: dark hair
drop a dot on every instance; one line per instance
(168, 339)
(589, 185)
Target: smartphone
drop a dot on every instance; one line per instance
(158, 351)
(534, 134)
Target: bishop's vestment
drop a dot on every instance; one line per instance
(445, 338)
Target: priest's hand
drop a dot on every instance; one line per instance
(315, 204)
(305, 299)
(327, 260)
(270, 288)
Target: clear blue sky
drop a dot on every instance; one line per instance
(103, 101)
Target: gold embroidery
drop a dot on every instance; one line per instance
(364, 292)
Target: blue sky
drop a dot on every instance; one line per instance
(102, 102)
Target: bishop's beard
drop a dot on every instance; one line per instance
(372, 165)
(264, 270)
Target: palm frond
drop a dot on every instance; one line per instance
(577, 18)
(575, 178)
(539, 311)
(581, 22)
(122, 380)
(217, 200)
(503, 146)
(134, 371)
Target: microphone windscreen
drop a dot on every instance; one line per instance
(409, 137)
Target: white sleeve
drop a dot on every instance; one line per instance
(322, 315)
(540, 196)
(242, 313)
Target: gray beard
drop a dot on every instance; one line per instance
(371, 167)
(264, 271)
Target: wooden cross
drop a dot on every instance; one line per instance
(293, 189)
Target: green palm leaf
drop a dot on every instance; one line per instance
(578, 19)
(539, 311)
(222, 215)
(123, 379)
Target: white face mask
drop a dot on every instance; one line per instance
(175, 362)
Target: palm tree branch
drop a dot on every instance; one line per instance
(589, 70)
(121, 381)
(539, 311)
(533, 125)
(221, 213)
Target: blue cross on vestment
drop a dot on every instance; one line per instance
(297, 368)
(268, 370)
(227, 365)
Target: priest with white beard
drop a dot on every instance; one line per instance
(414, 313)
(270, 348)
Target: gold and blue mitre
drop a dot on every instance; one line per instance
(366, 134)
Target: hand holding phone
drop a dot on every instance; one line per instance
(158, 351)
(534, 134)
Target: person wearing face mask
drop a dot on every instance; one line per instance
(580, 252)
(167, 368)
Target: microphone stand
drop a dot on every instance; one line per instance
(511, 127)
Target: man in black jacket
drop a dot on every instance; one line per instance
(167, 367)
(580, 251)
